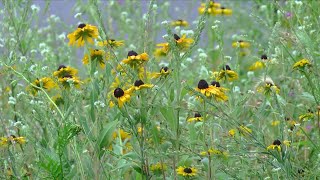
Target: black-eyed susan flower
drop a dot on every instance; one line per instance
(267, 87)
(186, 171)
(45, 83)
(217, 84)
(97, 56)
(213, 9)
(275, 145)
(257, 66)
(84, 33)
(197, 118)
(164, 72)
(179, 22)
(307, 116)
(65, 70)
(226, 11)
(183, 43)
(241, 44)
(264, 57)
(4, 141)
(138, 85)
(226, 74)
(111, 42)
(275, 123)
(122, 96)
(232, 132)
(158, 167)
(124, 136)
(287, 143)
(210, 91)
(302, 64)
(134, 59)
(213, 151)
(67, 80)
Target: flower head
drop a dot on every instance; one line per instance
(45, 83)
(65, 70)
(232, 132)
(134, 59)
(164, 72)
(122, 96)
(138, 85)
(197, 117)
(158, 167)
(96, 56)
(226, 11)
(67, 80)
(186, 171)
(84, 33)
(183, 43)
(241, 44)
(111, 42)
(257, 66)
(180, 22)
(227, 74)
(267, 87)
(211, 91)
(302, 64)
(275, 145)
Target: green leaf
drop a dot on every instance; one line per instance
(105, 137)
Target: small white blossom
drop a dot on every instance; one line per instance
(164, 22)
(23, 59)
(12, 100)
(77, 15)
(35, 8)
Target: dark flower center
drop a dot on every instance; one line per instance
(265, 57)
(13, 136)
(222, 8)
(164, 68)
(61, 67)
(215, 83)
(112, 40)
(240, 41)
(180, 20)
(82, 25)
(118, 93)
(228, 67)
(276, 142)
(132, 53)
(203, 84)
(269, 84)
(67, 76)
(138, 83)
(187, 170)
(197, 115)
(176, 37)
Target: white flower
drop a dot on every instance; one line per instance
(23, 59)
(154, 7)
(12, 100)
(236, 89)
(187, 32)
(62, 36)
(77, 15)
(20, 94)
(164, 22)
(32, 67)
(44, 68)
(35, 8)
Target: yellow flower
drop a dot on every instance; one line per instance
(186, 171)
(134, 59)
(155, 168)
(122, 96)
(213, 151)
(45, 83)
(213, 9)
(245, 130)
(125, 136)
(227, 74)
(65, 70)
(275, 145)
(275, 123)
(160, 52)
(111, 42)
(138, 85)
(226, 11)
(179, 22)
(211, 91)
(301, 64)
(84, 33)
(4, 141)
(256, 66)
(197, 117)
(306, 117)
(20, 140)
(241, 44)
(182, 43)
(164, 72)
(232, 132)
(96, 55)
(287, 143)
(268, 88)
(67, 80)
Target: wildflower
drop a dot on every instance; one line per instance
(179, 22)
(264, 57)
(306, 117)
(65, 70)
(245, 130)
(241, 44)
(158, 167)
(182, 43)
(197, 117)
(186, 171)
(213, 9)
(45, 83)
(68, 79)
(210, 91)
(275, 145)
(164, 71)
(302, 64)
(4, 141)
(20, 140)
(232, 132)
(275, 123)
(256, 66)
(123, 135)
(84, 33)
(97, 56)
(227, 74)
(122, 96)
(267, 87)
(138, 85)
(213, 151)
(226, 11)
(111, 42)
(134, 59)
(287, 143)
